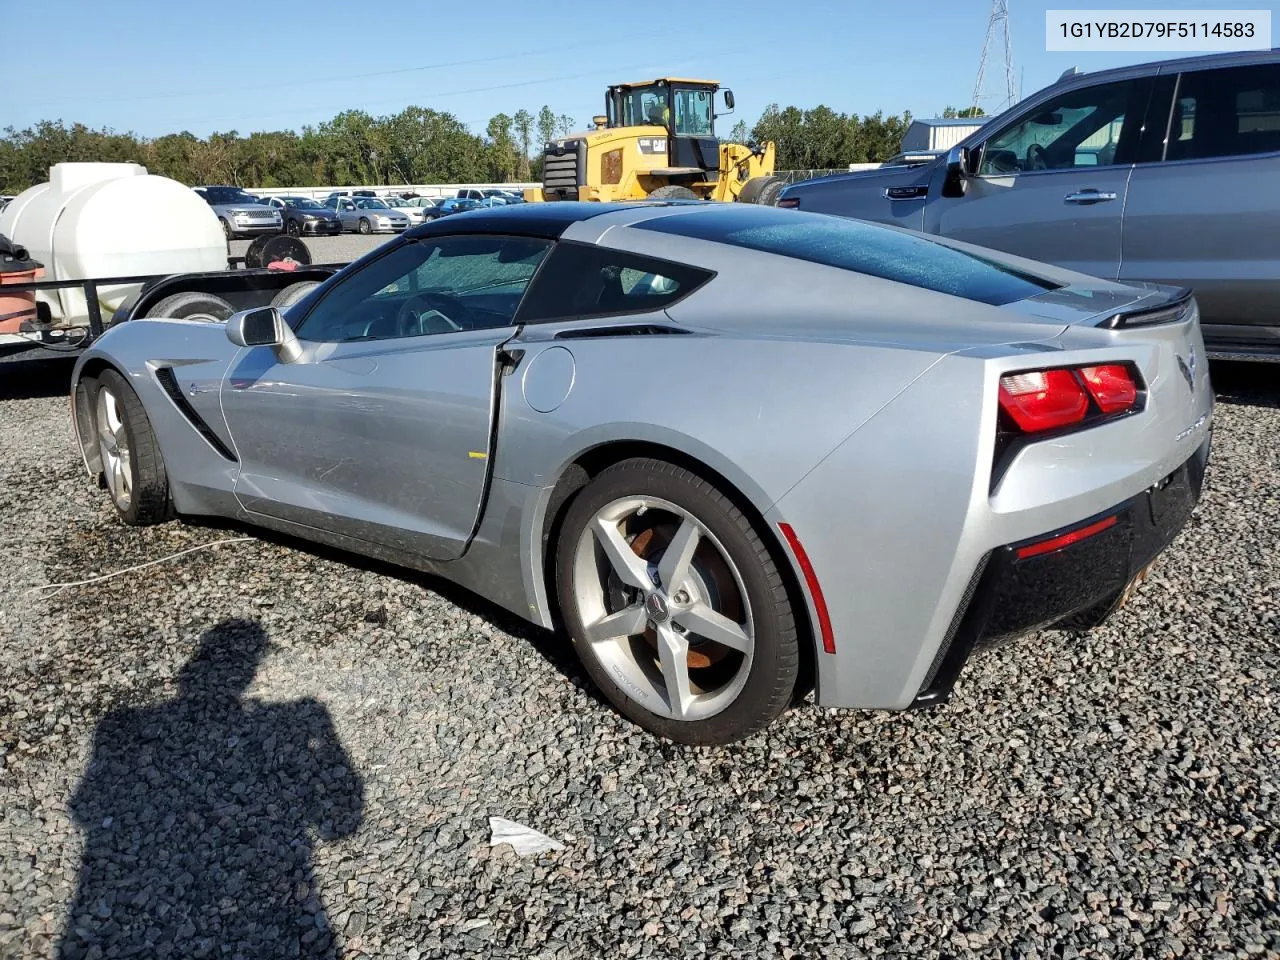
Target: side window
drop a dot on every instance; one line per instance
(1224, 113)
(1090, 127)
(583, 280)
(418, 289)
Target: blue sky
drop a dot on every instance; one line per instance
(153, 66)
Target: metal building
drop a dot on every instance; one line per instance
(938, 133)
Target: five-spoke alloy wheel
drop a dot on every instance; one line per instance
(132, 467)
(675, 603)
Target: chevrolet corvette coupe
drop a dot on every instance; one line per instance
(737, 453)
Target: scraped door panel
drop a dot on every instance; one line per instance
(387, 442)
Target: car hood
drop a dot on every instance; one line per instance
(871, 179)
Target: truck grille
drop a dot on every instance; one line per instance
(564, 167)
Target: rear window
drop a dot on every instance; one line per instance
(857, 246)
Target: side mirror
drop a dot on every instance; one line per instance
(264, 327)
(728, 99)
(957, 172)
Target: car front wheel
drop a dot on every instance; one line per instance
(131, 461)
(675, 604)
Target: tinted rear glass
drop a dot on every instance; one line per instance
(859, 247)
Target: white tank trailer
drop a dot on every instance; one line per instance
(95, 220)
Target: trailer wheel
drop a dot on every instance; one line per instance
(293, 293)
(192, 306)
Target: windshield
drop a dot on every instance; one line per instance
(369, 203)
(228, 195)
(642, 106)
(302, 203)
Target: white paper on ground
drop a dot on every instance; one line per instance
(524, 840)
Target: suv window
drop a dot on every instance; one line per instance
(1233, 111)
(428, 287)
(583, 280)
(1089, 127)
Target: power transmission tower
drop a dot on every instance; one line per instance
(999, 21)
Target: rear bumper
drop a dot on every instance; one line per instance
(1075, 586)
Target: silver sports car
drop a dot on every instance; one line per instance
(735, 452)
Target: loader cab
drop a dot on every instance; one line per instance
(686, 108)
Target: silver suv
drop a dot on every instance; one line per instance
(1166, 172)
(241, 214)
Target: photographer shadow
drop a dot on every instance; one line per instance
(200, 817)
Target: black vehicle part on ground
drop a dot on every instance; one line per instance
(268, 249)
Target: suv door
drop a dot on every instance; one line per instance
(1051, 184)
(1205, 216)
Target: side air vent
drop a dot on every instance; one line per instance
(622, 330)
(169, 382)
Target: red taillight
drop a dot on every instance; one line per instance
(1111, 386)
(789, 203)
(1066, 539)
(1042, 400)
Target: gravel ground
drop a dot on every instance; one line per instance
(1105, 795)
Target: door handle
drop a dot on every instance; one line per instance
(1088, 196)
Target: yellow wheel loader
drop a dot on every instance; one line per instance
(657, 140)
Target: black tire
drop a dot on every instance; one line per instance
(292, 228)
(364, 226)
(192, 305)
(769, 194)
(226, 229)
(775, 665)
(293, 293)
(269, 248)
(673, 191)
(757, 187)
(149, 500)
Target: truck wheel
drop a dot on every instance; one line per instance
(293, 293)
(364, 226)
(226, 229)
(192, 306)
(673, 191)
(675, 604)
(131, 461)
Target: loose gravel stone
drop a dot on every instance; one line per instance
(265, 748)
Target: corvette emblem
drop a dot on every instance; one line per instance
(656, 608)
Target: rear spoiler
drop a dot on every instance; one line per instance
(1171, 311)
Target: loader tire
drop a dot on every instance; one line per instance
(673, 191)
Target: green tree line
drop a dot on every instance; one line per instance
(416, 145)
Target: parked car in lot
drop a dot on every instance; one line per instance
(407, 206)
(477, 193)
(860, 453)
(306, 217)
(241, 214)
(367, 215)
(1167, 171)
(450, 205)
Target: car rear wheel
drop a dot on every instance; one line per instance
(675, 605)
(365, 226)
(131, 461)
